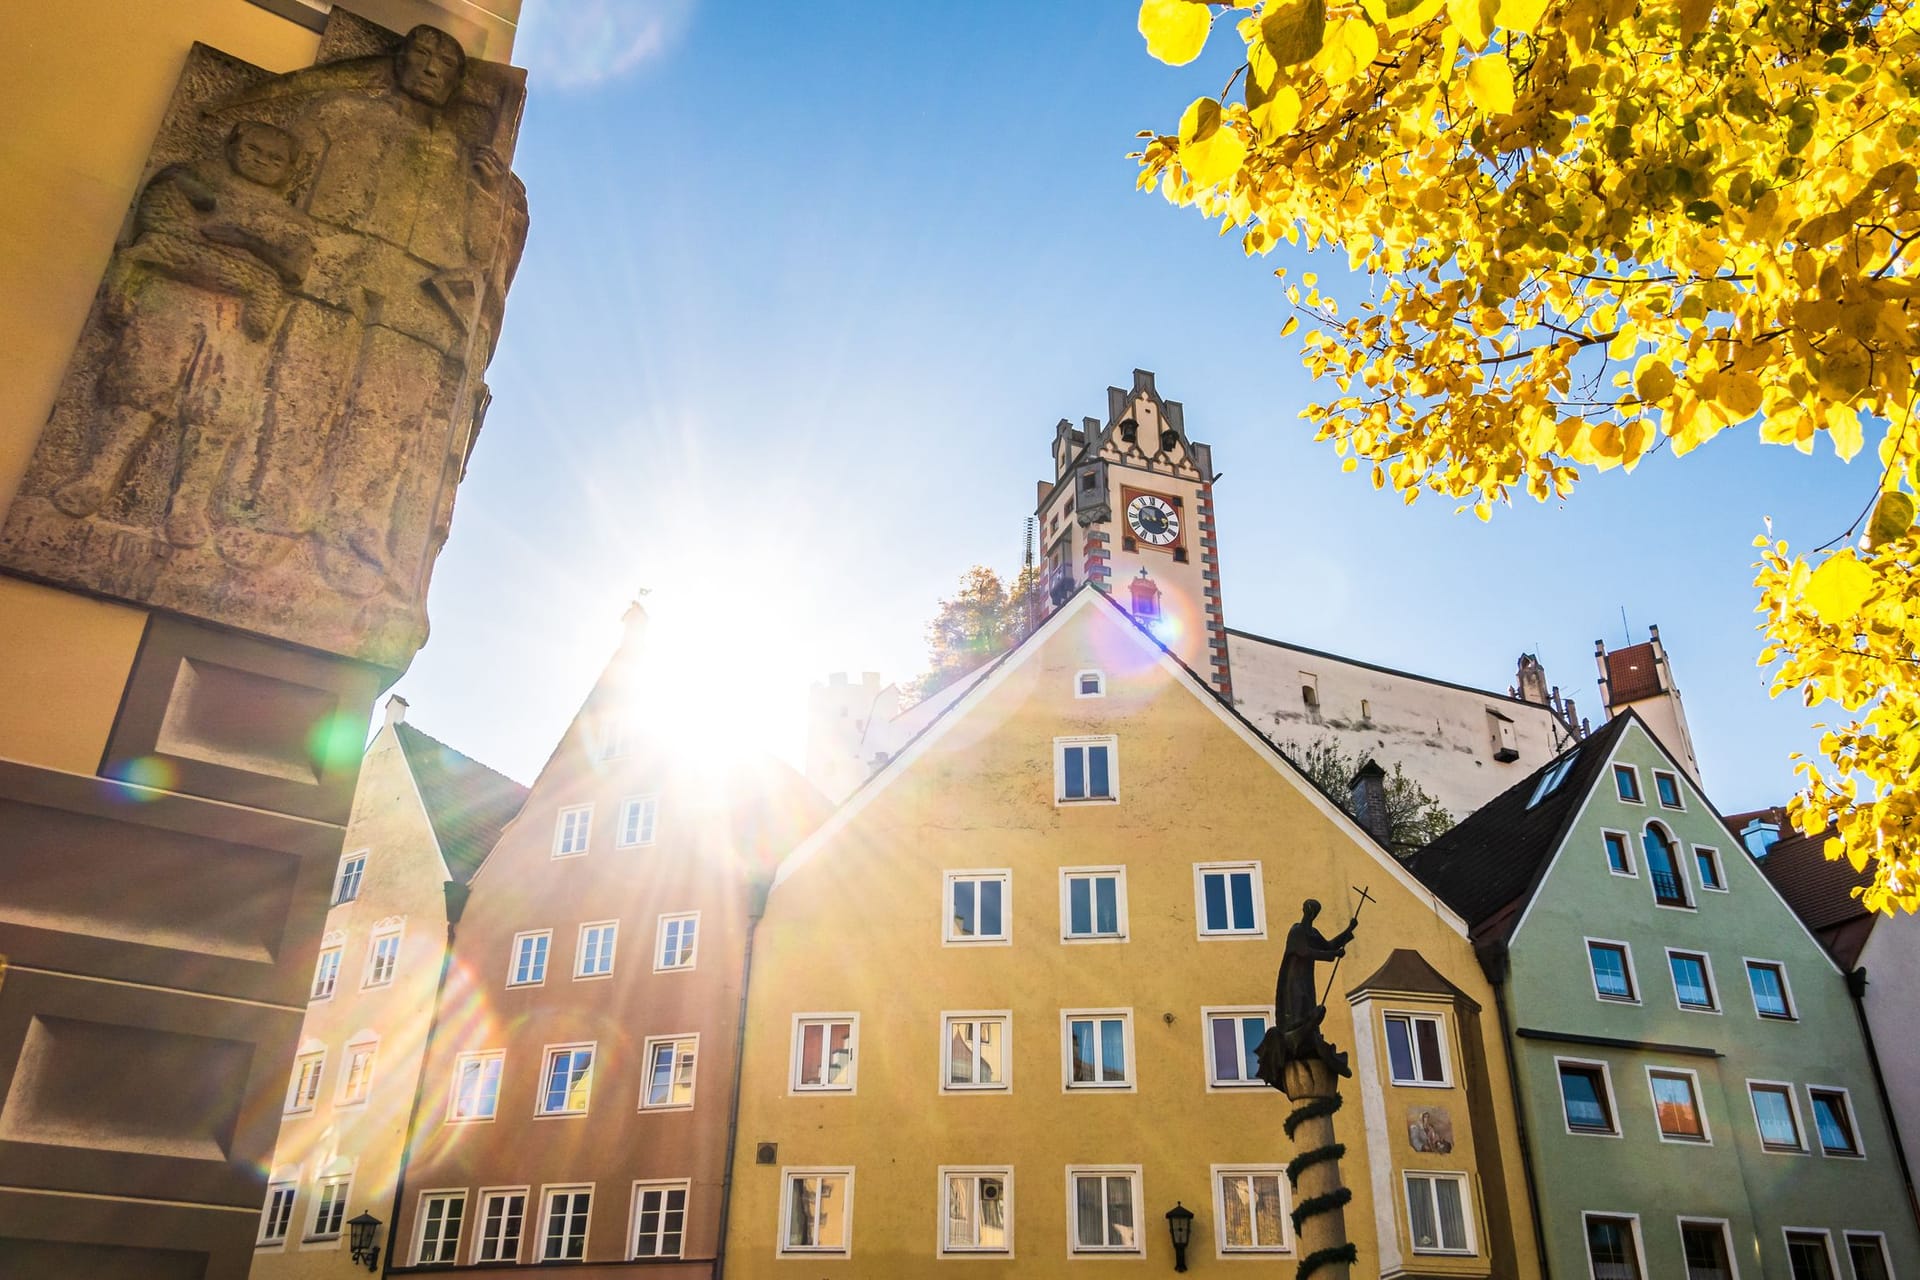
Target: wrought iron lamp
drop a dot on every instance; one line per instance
(1180, 1227)
(361, 1233)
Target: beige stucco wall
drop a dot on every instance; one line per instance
(1892, 961)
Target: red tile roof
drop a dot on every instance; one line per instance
(1632, 674)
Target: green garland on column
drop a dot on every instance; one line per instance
(1314, 1108)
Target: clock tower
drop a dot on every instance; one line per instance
(1130, 510)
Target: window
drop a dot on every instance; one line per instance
(816, 1211)
(1250, 1209)
(563, 1237)
(346, 884)
(595, 958)
(502, 1217)
(1612, 966)
(823, 1052)
(278, 1213)
(1437, 1213)
(1663, 868)
(1776, 1115)
(441, 1215)
(571, 830)
(1613, 1247)
(1097, 1047)
(678, 935)
(1692, 981)
(1085, 769)
(1229, 899)
(326, 974)
(566, 1080)
(1626, 782)
(1833, 1121)
(975, 1047)
(476, 1085)
(1414, 1053)
(1093, 904)
(307, 1069)
(977, 908)
(669, 1073)
(529, 967)
(383, 954)
(1233, 1045)
(1619, 853)
(1101, 1204)
(659, 1219)
(1810, 1255)
(329, 1207)
(1587, 1097)
(1090, 684)
(617, 737)
(1676, 1106)
(976, 1210)
(1706, 862)
(1767, 979)
(636, 821)
(1707, 1252)
(1552, 778)
(1667, 787)
(356, 1082)
(1867, 1251)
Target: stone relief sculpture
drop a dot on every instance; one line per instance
(280, 381)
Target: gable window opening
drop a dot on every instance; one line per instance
(1626, 783)
(383, 955)
(659, 1219)
(1833, 1121)
(976, 1050)
(1619, 853)
(1692, 981)
(818, 1204)
(1230, 900)
(565, 1237)
(1084, 770)
(530, 958)
(1103, 1212)
(637, 821)
(1233, 1047)
(571, 830)
(1097, 1050)
(1090, 684)
(1667, 787)
(441, 1216)
(1414, 1049)
(1706, 861)
(979, 1206)
(1437, 1213)
(502, 1219)
(1612, 971)
(1767, 980)
(823, 1057)
(1094, 904)
(976, 906)
(1676, 1106)
(353, 869)
(1663, 868)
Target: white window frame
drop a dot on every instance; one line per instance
(336, 952)
(1593, 974)
(420, 1226)
(478, 1057)
(1444, 1038)
(1848, 1236)
(1699, 1105)
(342, 1095)
(801, 1021)
(1612, 1100)
(1077, 1250)
(580, 950)
(1067, 1083)
(1061, 799)
(1467, 1210)
(1219, 1173)
(1633, 1223)
(314, 1235)
(949, 936)
(785, 1248)
(617, 736)
(370, 978)
(295, 1104)
(1256, 874)
(359, 872)
(1786, 990)
(660, 942)
(482, 1197)
(1633, 859)
(547, 1055)
(560, 849)
(945, 1248)
(1725, 1225)
(1706, 967)
(666, 1187)
(1833, 1263)
(1679, 793)
(686, 1044)
(1099, 686)
(292, 1188)
(1235, 1011)
(645, 832)
(1638, 790)
(513, 958)
(1859, 1151)
(948, 1018)
(1793, 1108)
(547, 1192)
(1067, 876)
(1720, 872)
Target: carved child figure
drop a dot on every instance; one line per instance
(196, 356)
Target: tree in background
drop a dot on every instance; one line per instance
(977, 624)
(1592, 228)
(1414, 818)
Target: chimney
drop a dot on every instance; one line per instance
(396, 710)
(1370, 801)
(1760, 835)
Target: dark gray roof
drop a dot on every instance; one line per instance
(467, 803)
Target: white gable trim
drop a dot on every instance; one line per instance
(406, 765)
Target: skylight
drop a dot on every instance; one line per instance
(1553, 778)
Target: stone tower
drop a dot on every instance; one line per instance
(1639, 676)
(1131, 502)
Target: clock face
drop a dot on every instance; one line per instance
(1153, 520)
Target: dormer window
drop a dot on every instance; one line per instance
(1090, 684)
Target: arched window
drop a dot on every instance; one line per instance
(1669, 886)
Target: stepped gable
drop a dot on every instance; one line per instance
(467, 803)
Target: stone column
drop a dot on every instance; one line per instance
(1319, 1197)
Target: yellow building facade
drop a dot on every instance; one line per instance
(1003, 1003)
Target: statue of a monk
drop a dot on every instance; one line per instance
(1297, 1011)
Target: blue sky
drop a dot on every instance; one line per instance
(808, 287)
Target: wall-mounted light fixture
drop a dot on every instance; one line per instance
(362, 1233)
(1180, 1227)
